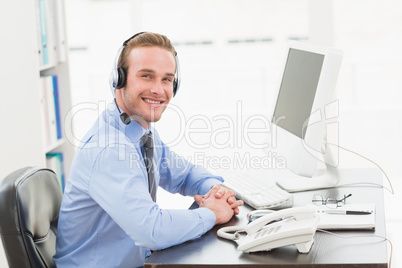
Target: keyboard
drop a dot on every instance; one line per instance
(259, 193)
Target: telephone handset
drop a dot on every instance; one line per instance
(291, 226)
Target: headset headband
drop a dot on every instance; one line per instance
(118, 75)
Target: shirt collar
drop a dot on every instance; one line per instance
(133, 131)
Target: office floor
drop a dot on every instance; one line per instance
(394, 230)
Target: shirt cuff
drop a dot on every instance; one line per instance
(207, 217)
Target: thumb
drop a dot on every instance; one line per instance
(198, 199)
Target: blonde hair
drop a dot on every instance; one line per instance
(145, 39)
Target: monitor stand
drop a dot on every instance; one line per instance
(330, 178)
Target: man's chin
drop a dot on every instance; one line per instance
(146, 120)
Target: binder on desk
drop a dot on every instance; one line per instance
(329, 221)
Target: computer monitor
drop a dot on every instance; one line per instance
(299, 118)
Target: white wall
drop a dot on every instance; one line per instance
(17, 72)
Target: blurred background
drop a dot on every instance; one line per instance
(232, 53)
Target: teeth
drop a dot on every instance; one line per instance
(151, 101)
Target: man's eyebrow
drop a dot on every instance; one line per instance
(145, 71)
(152, 71)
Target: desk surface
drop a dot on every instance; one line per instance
(327, 250)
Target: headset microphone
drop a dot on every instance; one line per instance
(123, 116)
(117, 79)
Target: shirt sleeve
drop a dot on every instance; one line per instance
(121, 189)
(177, 175)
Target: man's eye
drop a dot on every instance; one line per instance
(168, 79)
(146, 76)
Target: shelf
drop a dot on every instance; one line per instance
(47, 67)
(54, 146)
(25, 54)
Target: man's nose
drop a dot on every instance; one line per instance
(157, 88)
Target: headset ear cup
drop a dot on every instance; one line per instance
(177, 79)
(174, 87)
(121, 78)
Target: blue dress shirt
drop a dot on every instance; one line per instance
(107, 217)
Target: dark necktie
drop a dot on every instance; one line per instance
(148, 145)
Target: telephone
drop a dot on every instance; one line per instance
(291, 226)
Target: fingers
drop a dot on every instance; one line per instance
(237, 204)
(223, 191)
(236, 211)
(234, 204)
(213, 188)
(231, 200)
(219, 191)
(224, 186)
(199, 199)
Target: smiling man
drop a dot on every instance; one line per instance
(148, 89)
(109, 216)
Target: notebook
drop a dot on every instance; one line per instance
(341, 221)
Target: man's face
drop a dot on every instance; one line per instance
(149, 85)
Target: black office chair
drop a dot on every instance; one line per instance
(30, 200)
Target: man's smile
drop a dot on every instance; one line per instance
(153, 101)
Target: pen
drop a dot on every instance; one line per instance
(347, 212)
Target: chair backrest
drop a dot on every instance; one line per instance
(30, 200)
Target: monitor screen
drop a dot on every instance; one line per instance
(306, 89)
(297, 91)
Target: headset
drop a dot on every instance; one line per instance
(118, 75)
(118, 78)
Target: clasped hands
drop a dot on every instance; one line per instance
(222, 201)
